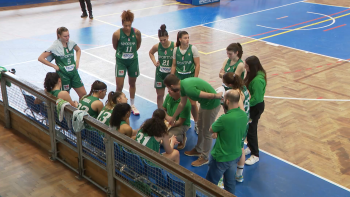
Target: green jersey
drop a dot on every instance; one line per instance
(230, 128)
(191, 87)
(85, 105)
(165, 58)
(185, 63)
(105, 116)
(127, 46)
(148, 141)
(66, 63)
(233, 69)
(246, 101)
(55, 92)
(171, 104)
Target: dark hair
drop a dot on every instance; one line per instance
(51, 80)
(254, 65)
(97, 86)
(179, 35)
(233, 96)
(236, 47)
(162, 31)
(154, 127)
(60, 30)
(127, 15)
(234, 80)
(159, 113)
(112, 99)
(171, 79)
(119, 111)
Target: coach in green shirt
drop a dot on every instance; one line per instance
(199, 90)
(183, 121)
(228, 130)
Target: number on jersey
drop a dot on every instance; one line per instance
(103, 117)
(146, 139)
(84, 108)
(129, 49)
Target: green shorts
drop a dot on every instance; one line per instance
(70, 79)
(132, 66)
(184, 76)
(244, 136)
(159, 79)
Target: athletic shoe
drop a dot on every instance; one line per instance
(90, 15)
(252, 160)
(221, 183)
(84, 15)
(247, 151)
(192, 153)
(196, 128)
(199, 162)
(239, 178)
(134, 110)
(182, 144)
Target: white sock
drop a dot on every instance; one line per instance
(239, 171)
(132, 101)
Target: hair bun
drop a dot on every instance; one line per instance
(163, 27)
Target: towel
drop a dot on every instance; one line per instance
(221, 89)
(58, 49)
(78, 117)
(60, 103)
(3, 69)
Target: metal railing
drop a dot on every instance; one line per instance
(118, 156)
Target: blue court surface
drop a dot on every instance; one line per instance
(270, 176)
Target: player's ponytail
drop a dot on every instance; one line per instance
(112, 99)
(119, 112)
(162, 31)
(97, 86)
(233, 80)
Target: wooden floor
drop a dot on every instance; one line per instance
(25, 170)
(311, 134)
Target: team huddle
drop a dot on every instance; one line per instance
(177, 69)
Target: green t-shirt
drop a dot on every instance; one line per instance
(257, 88)
(185, 63)
(66, 63)
(191, 87)
(165, 58)
(55, 92)
(127, 46)
(230, 128)
(171, 105)
(148, 141)
(105, 116)
(85, 104)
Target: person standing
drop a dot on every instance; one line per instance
(228, 130)
(198, 90)
(126, 41)
(256, 83)
(83, 8)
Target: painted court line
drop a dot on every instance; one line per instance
(326, 4)
(334, 27)
(282, 17)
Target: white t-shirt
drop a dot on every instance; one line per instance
(194, 52)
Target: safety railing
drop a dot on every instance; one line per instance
(98, 153)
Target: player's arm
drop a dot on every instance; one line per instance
(179, 109)
(207, 95)
(78, 51)
(65, 96)
(240, 103)
(173, 67)
(222, 71)
(115, 39)
(138, 38)
(240, 69)
(179, 122)
(196, 61)
(126, 130)
(42, 59)
(151, 53)
(97, 106)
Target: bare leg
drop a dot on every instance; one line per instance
(80, 91)
(174, 156)
(160, 97)
(120, 83)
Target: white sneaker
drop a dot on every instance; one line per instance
(252, 160)
(247, 151)
(134, 110)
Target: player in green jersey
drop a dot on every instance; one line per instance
(52, 85)
(234, 62)
(66, 67)
(233, 81)
(186, 64)
(126, 41)
(91, 103)
(165, 50)
(120, 120)
(113, 99)
(154, 132)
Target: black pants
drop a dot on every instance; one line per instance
(252, 136)
(82, 5)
